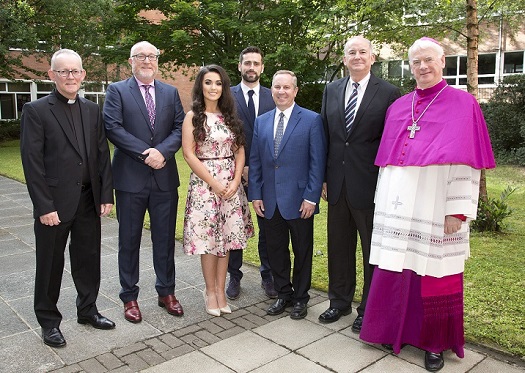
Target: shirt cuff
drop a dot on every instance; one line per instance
(460, 217)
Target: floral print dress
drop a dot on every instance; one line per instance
(213, 225)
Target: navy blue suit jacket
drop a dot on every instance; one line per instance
(265, 104)
(128, 128)
(298, 171)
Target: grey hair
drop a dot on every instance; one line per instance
(64, 51)
(349, 41)
(425, 43)
(288, 72)
(141, 43)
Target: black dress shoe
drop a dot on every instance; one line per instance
(53, 337)
(278, 307)
(433, 361)
(333, 314)
(358, 323)
(299, 311)
(97, 321)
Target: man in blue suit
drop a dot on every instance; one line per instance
(143, 119)
(251, 99)
(287, 164)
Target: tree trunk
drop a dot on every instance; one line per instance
(472, 70)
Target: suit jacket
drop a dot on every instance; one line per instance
(297, 172)
(265, 104)
(128, 128)
(52, 160)
(351, 157)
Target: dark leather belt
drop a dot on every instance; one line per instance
(86, 187)
(214, 159)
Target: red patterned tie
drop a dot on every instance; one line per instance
(150, 105)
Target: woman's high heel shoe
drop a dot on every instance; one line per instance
(225, 309)
(211, 311)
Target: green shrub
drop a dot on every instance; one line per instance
(492, 213)
(505, 116)
(9, 129)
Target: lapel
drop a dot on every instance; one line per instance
(134, 89)
(371, 90)
(63, 122)
(267, 130)
(290, 127)
(342, 104)
(84, 112)
(241, 105)
(159, 101)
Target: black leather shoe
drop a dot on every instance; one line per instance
(433, 361)
(53, 337)
(299, 311)
(97, 321)
(278, 307)
(358, 323)
(333, 314)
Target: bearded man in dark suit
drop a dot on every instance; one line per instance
(251, 100)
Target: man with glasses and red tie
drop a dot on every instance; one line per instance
(143, 119)
(66, 164)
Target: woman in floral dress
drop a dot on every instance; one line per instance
(217, 217)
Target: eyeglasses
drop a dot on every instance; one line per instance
(142, 57)
(65, 73)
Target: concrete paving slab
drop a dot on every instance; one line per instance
(10, 322)
(292, 334)
(17, 285)
(341, 354)
(25, 352)
(85, 342)
(193, 362)
(490, 365)
(245, 352)
(391, 363)
(291, 362)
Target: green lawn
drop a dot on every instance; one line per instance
(494, 275)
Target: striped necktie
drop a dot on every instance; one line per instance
(350, 109)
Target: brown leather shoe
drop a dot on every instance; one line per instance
(172, 305)
(132, 312)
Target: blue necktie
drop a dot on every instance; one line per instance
(251, 106)
(278, 135)
(350, 109)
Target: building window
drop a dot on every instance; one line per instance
(455, 71)
(7, 106)
(513, 62)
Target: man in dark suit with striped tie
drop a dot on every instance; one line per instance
(353, 112)
(251, 100)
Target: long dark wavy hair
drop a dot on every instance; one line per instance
(226, 106)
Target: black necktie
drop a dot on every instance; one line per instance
(251, 106)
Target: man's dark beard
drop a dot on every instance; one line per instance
(250, 79)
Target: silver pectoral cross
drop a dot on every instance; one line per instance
(413, 128)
